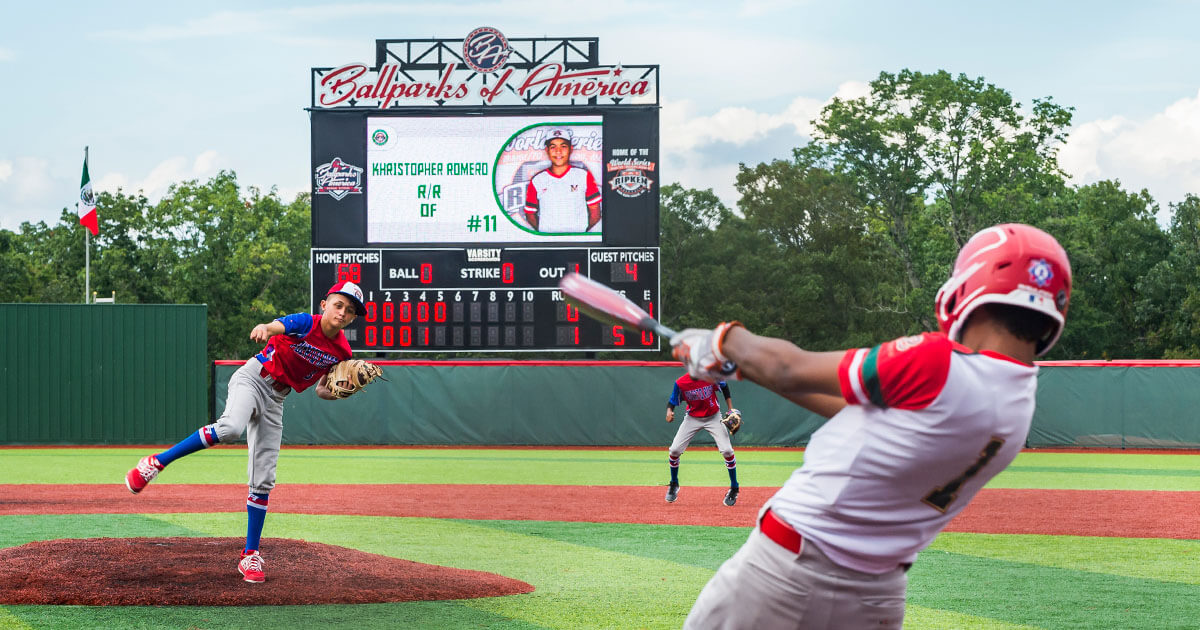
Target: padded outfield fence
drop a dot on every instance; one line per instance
(136, 374)
(1114, 404)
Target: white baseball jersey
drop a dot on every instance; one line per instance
(561, 201)
(928, 423)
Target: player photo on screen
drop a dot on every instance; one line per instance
(497, 179)
(547, 177)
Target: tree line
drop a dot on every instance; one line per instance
(842, 244)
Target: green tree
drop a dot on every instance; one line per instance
(1168, 296)
(827, 280)
(1113, 241)
(16, 269)
(940, 157)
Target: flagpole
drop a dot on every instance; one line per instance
(87, 251)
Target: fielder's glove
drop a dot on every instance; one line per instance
(700, 352)
(733, 421)
(346, 378)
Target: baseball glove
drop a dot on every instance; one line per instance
(733, 421)
(346, 378)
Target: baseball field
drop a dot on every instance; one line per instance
(555, 538)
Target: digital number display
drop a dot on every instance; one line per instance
(487, 299)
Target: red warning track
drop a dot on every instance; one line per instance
(1117, 513)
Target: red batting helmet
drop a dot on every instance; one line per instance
(1012, 264)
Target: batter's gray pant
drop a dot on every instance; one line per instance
(253, 406)
(691, 426)
(765, 586)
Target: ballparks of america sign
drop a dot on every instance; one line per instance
(484, 69)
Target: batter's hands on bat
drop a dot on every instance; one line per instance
(700, 352)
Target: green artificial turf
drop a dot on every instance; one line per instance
(603, 575)
(700, 467)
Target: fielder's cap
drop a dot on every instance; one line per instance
(352, 291)
(559, 132)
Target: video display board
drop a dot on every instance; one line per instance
(442, 179)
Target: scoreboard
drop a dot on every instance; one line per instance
(481, 299)
(435, 189)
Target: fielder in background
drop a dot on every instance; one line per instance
(562, 198)
(299, 351)
(703, 413)
(917, 426)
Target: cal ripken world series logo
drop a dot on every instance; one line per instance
(338, 179)
(628, 176)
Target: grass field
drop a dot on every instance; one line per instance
(619, 575)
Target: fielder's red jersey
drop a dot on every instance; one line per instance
(701, 396)
(302, 354)
(928, 424)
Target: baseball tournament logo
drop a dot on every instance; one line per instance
(338, 179)
(1040, 272)
(628, 176)
(485, 49)
(379, 137)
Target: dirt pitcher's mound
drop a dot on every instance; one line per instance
(203, 572)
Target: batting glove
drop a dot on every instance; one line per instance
(700, 352)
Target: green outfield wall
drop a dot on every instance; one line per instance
(102, 373)
(623, 404)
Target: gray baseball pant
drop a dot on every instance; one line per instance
(254, 406)
(765, 586)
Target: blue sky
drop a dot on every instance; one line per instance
(164, 92)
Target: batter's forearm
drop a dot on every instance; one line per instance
(804, 377)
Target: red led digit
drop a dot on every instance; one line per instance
(572, 317)
(372, 312)
(577, 334)
(631, 270)
(439, 312)
(576, 267)
(647, 338)
(406, 311)
(422, 311)
(618, 333)
(425, 336)
(405, 336)
(349, 272)
(389, 311)
(370, 335)
(506, 273)
(388, 336)
(426, 273)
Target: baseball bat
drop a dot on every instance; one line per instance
(602, 303)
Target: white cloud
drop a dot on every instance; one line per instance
(686, 134)
(1160, 153)
(26, 179)
(170, 171)
(740, 125)
(29, 192)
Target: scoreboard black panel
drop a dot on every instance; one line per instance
(487, 299)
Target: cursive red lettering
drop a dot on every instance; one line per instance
(341, 83)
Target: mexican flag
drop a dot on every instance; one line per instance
(87, 201)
